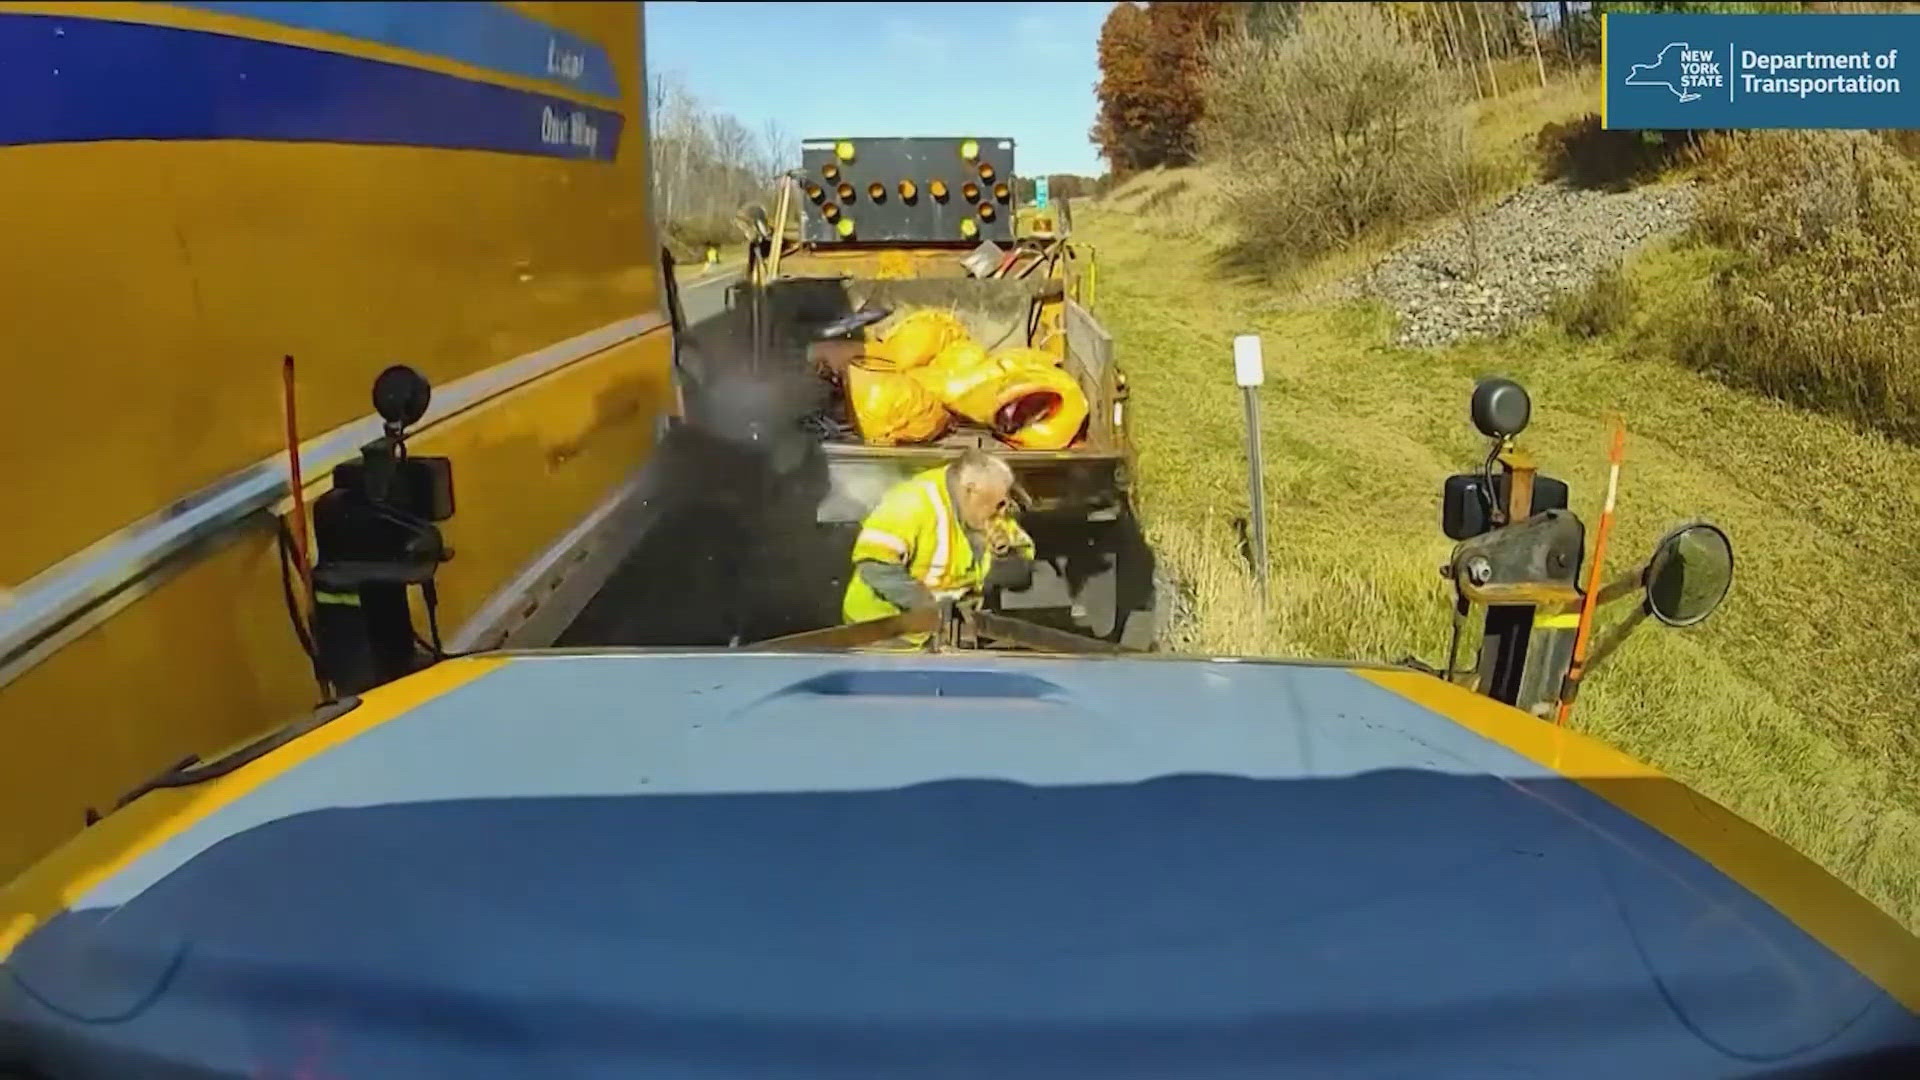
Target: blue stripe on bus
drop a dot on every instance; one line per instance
(89, 80)
(486, 35)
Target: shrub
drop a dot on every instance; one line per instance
(1820, 303)
(1586, 155)
(1906, 141)
(688, 238)
(1330, 132)
(1602, 308)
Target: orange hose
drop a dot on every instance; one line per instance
(293, 478)
(1615, 456)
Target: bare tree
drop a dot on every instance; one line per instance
(1458, 185)
(1533, 34)
(1486, 50)
(679, 144)
(777, 148)
(707, 164)
(734, 147)
(1463, 53)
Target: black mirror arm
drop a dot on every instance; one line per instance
(1570, 684)
(1625, 585)
(1605, 647)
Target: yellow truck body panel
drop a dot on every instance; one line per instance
(348, 185)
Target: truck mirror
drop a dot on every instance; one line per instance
(1501, 408)
(401, 396)
(1689, 574)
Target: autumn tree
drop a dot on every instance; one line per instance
(1152, 58)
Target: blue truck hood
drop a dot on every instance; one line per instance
(729, 865)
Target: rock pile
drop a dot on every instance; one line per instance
(1529, 248)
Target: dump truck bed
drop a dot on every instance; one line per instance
(760, 493)
(1086, 480)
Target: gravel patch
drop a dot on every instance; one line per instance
(1533, 245)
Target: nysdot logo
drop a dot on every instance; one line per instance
(1681, 70)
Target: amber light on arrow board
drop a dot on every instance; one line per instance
(971, 191)
(968, 229)
(986, 172)
(986, 211)
(844, 227)
(969, 150)
(830, 212)
(846, 191)
(830, 171)
(1000, 192)
(877, 191)
(843, 150)
(908, 191)
(939, 189)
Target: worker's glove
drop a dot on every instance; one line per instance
(949, 608)
(1004, 536)
(923, 597)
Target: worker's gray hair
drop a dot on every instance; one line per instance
(977, 465)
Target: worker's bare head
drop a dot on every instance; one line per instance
(983, 485)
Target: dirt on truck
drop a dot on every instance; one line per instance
(894, 233)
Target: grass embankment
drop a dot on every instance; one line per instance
(1790, 705)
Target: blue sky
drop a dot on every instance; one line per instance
(1019, 70)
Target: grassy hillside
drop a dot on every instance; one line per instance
(1790, 705)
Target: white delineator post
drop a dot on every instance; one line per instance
(1250, 372)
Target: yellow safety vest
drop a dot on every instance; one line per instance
(917, 525)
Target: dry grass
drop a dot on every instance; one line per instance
(1502, 132)
(1172, 204)
(1790, 706)
(1504, 127)
(1823, 306)
(1125, 194)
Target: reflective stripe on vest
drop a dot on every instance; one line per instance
(953, 570)
(935, 576)
(881, 538)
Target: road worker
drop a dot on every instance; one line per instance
(935, 537)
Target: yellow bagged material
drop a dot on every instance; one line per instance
(891, 408)
(1044, 407)
(1029, 404)
(958, 369)
(1021, 393)
(1021, 356)
(915, 340)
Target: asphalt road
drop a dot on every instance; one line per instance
(703, 297)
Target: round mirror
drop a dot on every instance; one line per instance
(1689, 574)
(1500, 408)
(401, 396)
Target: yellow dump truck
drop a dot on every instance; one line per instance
(895, 229)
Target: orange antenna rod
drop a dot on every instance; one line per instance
(1616, 454)
(293, 478)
